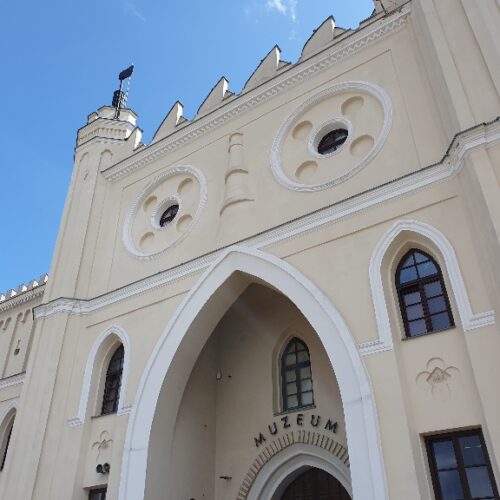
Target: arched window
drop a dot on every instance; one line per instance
(111, 394)
(296, 376)
(4, 444)
(423, 300)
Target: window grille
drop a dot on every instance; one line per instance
(460, 466)
(296, 376)
(112, 385)
(423, 300)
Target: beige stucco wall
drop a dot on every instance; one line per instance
(428, 61)
(218, 420)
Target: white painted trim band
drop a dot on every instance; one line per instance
(291, 459)
(22, 298)
(286, 128)
(480, 136)
(470, 321)
(127, 238)
(373, 32)
(12, 381)
(79, 418)
(362, 429)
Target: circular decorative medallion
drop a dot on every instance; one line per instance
(165, 211)
(331, 136)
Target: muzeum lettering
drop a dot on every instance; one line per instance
(301, 420)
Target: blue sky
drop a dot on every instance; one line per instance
(60, 61)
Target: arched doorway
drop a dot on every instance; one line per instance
(315, 484)
(170, 365)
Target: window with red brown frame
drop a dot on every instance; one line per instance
(460, 466)
(423, 299)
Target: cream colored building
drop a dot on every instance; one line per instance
(294, 295)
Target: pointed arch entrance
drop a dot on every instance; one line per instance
(174, 356)
(313, 484)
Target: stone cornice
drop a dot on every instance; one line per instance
(293, 76)
(22, 298)
(12, 381)
(104, 128)
(463, 143)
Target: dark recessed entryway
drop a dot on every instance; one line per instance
(315, 484)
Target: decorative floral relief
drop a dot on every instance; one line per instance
(438, 379)
(103, 447)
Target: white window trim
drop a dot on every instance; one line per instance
(367, 466)
(13, 405)
(468, 318)
(9, 412)
(117, 331)
(296, 457)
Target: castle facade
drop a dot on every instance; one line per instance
(293, 295)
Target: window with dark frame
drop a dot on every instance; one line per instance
(332, 141)
(423, 300)
(296, 376)
(99, 494)
(113, 383)
(169, 215)
(460, 466)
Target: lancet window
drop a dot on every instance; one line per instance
(296, 376)
(423, 300)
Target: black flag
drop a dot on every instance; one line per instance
(126, 73)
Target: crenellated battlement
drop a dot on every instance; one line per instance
(327, 45)
(294, 289)
(103, 125)
(23, 288)
(326, 36)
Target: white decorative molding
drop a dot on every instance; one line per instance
(13, 405)
(75, 421)
(469, 320)
(129, 220)
(291, 77)
(278, 463)
(283, 467)
(125, 410)
(286, 128)
(104, 128)
(22, 298)
(324, 128)
(365, 454)
(12, 381)
(480, 136)
(112, 330)
(7, 417)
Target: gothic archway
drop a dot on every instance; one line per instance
(183, 340)
(269, 480)
(314, 484)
